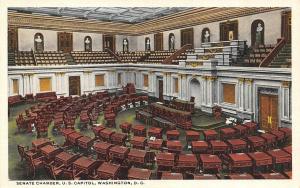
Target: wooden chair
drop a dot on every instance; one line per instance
(22, 151)
(71, 175)
(35, 163)
(54, 172)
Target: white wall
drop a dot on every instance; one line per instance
(78, 41)
(132, 42)
(141, 42)
(26, 39)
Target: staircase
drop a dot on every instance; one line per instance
(11, 58)
(69, 59)
(284, 57)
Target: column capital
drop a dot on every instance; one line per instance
(212, 78)
(286, 84)
(241, 80)
(248, 80)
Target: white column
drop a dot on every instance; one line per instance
(248, 94)
(241, 94)
(204, 90)
(285, 100)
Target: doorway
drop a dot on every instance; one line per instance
(187, 37)
(109, 42)
(229, 30)
(158, 42)
(268, 112)
(195, 91)
(65, 41)
(74, 85)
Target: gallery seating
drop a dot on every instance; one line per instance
(50, 58)
(45, 96)
(17, 99)
(94, 57)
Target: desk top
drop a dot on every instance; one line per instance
(192, 133)
(84, 162)
(227, 130)
(268, 136)
(66, 132)
(109, 168)
(75, 135)
(154, 130)
(210, 132)
(207, 158)
(40, 142)
(171, 176)
(174, 143)
(106, 132)
(155, 142)
(139, 128)
(139, 173)
(119, 136)
(287, 131)
(254, 139)
(199, 144)
(236, 142)
(260, 156)
(279, 134)
(140, 139)
(102, 145)
(85, 139)
(187, 158)
(65, 157)
(165, 156)
(173, 132)
(218, 143)
(48, 149)
(239, 157)
(137, 153)
(278, 153)
(240, 127)
(119, 149)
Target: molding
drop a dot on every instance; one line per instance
(286, 84)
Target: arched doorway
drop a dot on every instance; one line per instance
(195, 91)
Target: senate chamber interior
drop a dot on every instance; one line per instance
(145, 93)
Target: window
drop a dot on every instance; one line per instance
(229, 93)
(175, 85)
(99, 80)
(146, 82)
(38, 42)
(15, 83)
(119, 78)
(87, 44)
(45, 84)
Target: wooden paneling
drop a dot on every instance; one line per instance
(45, 84)
(160, 90)
(12, 39)
(268, 112)
(74, 85)
(187, 37)
(146, 80)
(229, 93)
(226, 28)
(99, 80)
(158, 42)
(286, 25)
(65, 41)
(15, 86)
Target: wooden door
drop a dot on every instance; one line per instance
(12, 39)
(268, 107)
(160, 90)
(109, 42)
(158, 42)
(187, 37)
(229, 28)
(286, 25)
(65, 41)
(74, 85)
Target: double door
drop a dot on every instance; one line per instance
(229, 31)
(65, 41)
(268, 106)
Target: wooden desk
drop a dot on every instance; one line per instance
(210, 135)
(41, 142)
(279, 135)
(288, 149)
(279, 156)
(165, 159)
(156, 144)
(66, 132)
(126, 127)
(260, 159)
(137, 156)
(199, 147)
(139, 130)
(205, 177)
(174, 146)
(85, 142)
(143, 116)
(192, 136)
(173, 135)
(87, 165)
(50, 151)
(244, 176)
(227, 133)
(255, 142)
(218, 146)
(210, 162)
(106, 134)
(251, 127)
(102, 149)
(118, 138)
(241, 130)
(269, 138)
(73, 137)
(139, 174)
(183, 105)
(118, 152)
(239, 160)
(108, 171)
(187, 161)
(272, 176)
(97, 130)
(138, 142)
(65, 158)
(237, 144)
(163, 123)
(287, 132)
(171, 176)
(155, 132)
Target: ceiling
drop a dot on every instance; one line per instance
(112, 14)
